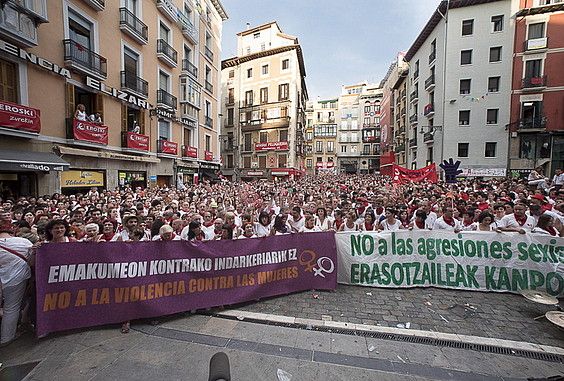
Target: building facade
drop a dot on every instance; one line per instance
(321, 136)
(264, 106)
(146, 72)
(370, 105)
(536, 131)
(460, 85)
(348, 133)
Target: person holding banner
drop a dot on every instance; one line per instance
(545, 226)
(447, 221)
(518, 221)
(420, 222)
(310, 226)
(390, 223)
(486, 222)
(370, 224)
(58, 231)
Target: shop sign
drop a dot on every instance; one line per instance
(190, 152)
(271, 146)
(168, 147)
(116, 93)
(483, 172)
(78, 179)
(325, 165)
(19, 117)
(33, 59)
(255, 173)
(164, 113)
(137, 141)
(188, 122)
(186, 171)
(208, 156)
(90, 132)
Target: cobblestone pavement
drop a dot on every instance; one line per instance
(493, 315)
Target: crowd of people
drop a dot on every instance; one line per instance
(228, 210)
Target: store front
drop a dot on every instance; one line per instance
(185, 172)
(80, 181)
(210, 172)
(253, 174)
(132, 179)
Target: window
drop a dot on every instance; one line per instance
(343, 149)
(330, 146)
(490, 149)
(231, 73)
(493, 84)
(366, 109)
(495, 54)
(283, 92)
(263, 136)
(229, 161)
(208, 143)
(164, 129)
(230, 95)
(533, 68)
(163, 81)
(466, 57)
(9, 82)
(187, 137)
(256, 35)
(207, 109)
(282, 161)
(467, 27)
(366, 121)
(464, 117)
(536, 30)
(463, 149)
(497, 23)
(319, 146)
(249, 98)
(132, 119)
(285, 64)
(246, 162)
(429, 155)
(264, 69)
(247, 143)
(283, 135)
(262, 161)
(229, 116)
(264, 95)
(80, 30)
(492, 115)
(309, 163)
(164, 32)
(465, 86)
(249, 73)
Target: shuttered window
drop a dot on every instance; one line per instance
(8, 81)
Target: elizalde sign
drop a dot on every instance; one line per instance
(33, 59)
(137, 141)
(119, 94)
(90, 132)
(271, 146)
(81, 179)
(19, 117)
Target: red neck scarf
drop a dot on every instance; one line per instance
(368, 226)
(551, 230)
(108, 236)
(379, 210)
(420, 224)
(208, 224)
(449, 221)
(520, 220)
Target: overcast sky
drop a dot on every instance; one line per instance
(344, 42)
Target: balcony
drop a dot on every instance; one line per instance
(189, 68)
(413, 142)
(208, 53)
(83, 60)
(400, 148)
(167, 147)
(166, 99)
(166, 53)
(97, 5)
(415, 75)
(208, 122)
(429, 110)
(230, 101)
(428, 137)
(535, 44)
(133, 141)
(414, 97)
(168, 9)
(534, 83)
(134, 83)
(133, 26)
(432, 56)
(402, 94)
(188, 29)
(536, 123)
(430, 83)
(271, 115)
(413, 119)
(208, 86)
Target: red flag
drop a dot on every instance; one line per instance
(404, 175)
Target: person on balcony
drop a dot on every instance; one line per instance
(96, 118)
(536, 178)
(80, 113)
(136, 128)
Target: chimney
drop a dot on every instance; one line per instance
(248, 25)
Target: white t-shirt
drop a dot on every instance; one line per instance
(296, 225)
(263, 231)
(394, 227)
(315, 229)
(13, 269)
(509, 221)
(440, 224)
(326, 225)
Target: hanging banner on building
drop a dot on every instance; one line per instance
(404, 175)
(20, 117)
(79, 179)
(271, 146)
(168, 147)
(208, 156)
(190, 152)
(480, 261)
(82, 285)
(137, 141)
(90, 132)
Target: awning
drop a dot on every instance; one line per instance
(210, 173)
(31, 161)
(105, 155)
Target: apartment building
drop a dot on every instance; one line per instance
(348, 133)
(321, 136)
(537, 122)
(146, 71)
(460, 85)
(370, 103)
(264, 108)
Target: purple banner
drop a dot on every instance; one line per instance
(87, 284)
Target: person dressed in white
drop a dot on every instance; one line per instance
(350, 224)
(248, 231)
(536, 178)
(310, 226)
(558, 179)
(263, 227)
(390, 223)
(447, 221)
(14, 273)
(166, 233)
(296, 220)
(518, 221)
(545, 226)
(322, 220)
(80, 113)
(420, 222)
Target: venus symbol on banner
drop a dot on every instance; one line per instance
(308, 259)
